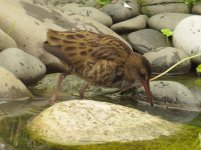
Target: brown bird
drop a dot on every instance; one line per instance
(100, 59)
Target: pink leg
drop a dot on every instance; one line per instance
(52, 100)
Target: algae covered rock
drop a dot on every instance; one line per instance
(70, 87)
(79, 122)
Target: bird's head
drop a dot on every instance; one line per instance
(137, 70)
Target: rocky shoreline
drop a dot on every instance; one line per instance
(137, 23)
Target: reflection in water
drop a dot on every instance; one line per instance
(13, 133)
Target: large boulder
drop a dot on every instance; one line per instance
(166, 20)
(163, 58)
(24, 66)
(12, 89)
(146, 40)
(31, 21)
(187, 35)
(79, 122)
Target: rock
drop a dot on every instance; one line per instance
(166, 20)
(155, 2)
(90, 12)
(119, 12)
(187, 35)
(24, 66)
(36, 19)
(12, 88)
(171, 94)
(54, 3)
(80, 122)
(6, 41)
(163, 58)
(92, 3)
(146, 40)
(59, 2)
(196, 9)
(69, 87)
(133, 24)
(151, 10)
(41, 2)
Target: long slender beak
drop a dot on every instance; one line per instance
(147, 90)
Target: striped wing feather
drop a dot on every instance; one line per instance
(83, 47)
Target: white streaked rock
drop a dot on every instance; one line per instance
(79, 122)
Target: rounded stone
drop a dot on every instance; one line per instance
(86, 11)
(70, 87)
(196, 9)
(146, 40)
(79, 122)
(24, 66)
(6, 41)
(151, 10)
(155, 2)
(30, 19)
(166, 20)
(187, 35)
(119, 10)
(171, 94)
(12, 88)
(133, 24)
(163, 58)
(59, 2)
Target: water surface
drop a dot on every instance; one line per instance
(14, 117)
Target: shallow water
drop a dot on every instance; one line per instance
(14, 116)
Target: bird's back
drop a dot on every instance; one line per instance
(88, 52)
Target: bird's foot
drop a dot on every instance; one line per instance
(52, 100)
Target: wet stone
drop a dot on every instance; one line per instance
(80, 122)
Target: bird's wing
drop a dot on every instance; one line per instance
(82, 48)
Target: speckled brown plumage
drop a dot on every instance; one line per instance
(100, 59)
